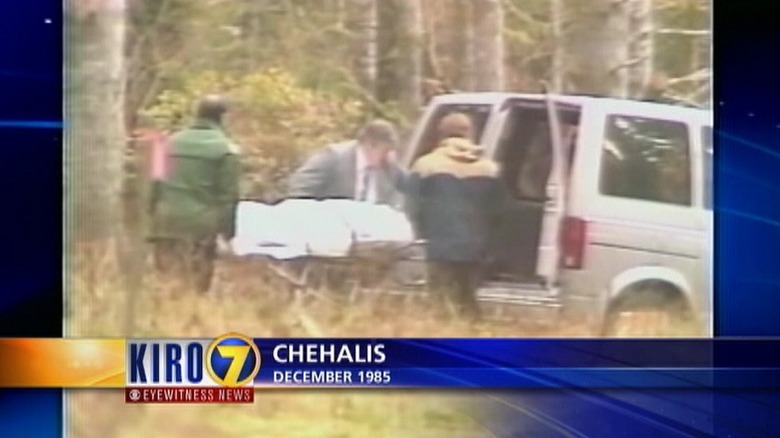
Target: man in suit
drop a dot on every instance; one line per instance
(363, 169)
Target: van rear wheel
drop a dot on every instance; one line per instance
(650, 313)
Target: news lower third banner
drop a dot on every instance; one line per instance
(230, 369)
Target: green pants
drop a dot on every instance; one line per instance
(190, 260)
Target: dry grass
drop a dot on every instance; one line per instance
(248, 300)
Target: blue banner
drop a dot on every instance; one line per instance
(506, 363)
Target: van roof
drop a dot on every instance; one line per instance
(491, 98)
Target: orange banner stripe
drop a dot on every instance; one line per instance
(62, 363)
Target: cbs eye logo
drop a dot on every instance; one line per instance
(233, 360)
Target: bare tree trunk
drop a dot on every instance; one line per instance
(364, 23)
(431, 62)
(704, 95)
(488, 45)
(411, 98)
(556, 17)
(595, 49)
(255, 11)
(95, 134)
(641, 47)
(388, 49)
(400, 54)
(95, 141)
(461, 48)
(341, 13)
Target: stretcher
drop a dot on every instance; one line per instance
(342, 246)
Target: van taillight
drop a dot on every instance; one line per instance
(573, 242)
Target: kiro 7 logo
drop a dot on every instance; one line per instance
(231, 360)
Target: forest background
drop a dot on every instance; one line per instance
(302, 73)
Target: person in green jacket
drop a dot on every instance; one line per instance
(195, 203)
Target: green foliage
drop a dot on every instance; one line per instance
(275, 121)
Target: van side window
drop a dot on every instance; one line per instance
(706, 143)
(646, 159)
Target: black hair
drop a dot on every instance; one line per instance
(212, 108)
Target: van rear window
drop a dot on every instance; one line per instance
(478, 113)
(646, 159)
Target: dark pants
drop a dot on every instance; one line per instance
(456, 283)
(189, 260)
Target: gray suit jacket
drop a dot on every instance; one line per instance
(331, 173)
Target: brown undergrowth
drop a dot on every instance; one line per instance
(246, 298)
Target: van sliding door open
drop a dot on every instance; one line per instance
(547, 265)
(534, 170)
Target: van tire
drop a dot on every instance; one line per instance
(656, 311)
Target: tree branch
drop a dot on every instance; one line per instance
(685, 32)
(697, 94)
(364, 94)
(700, 75)
(628, 64)
(518, 13)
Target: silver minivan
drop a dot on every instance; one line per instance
(609, 215)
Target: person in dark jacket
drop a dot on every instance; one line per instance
(455, 202)
(196, 201)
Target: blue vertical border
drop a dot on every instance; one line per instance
(747, 168)
(31, 64)
(747, 191)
